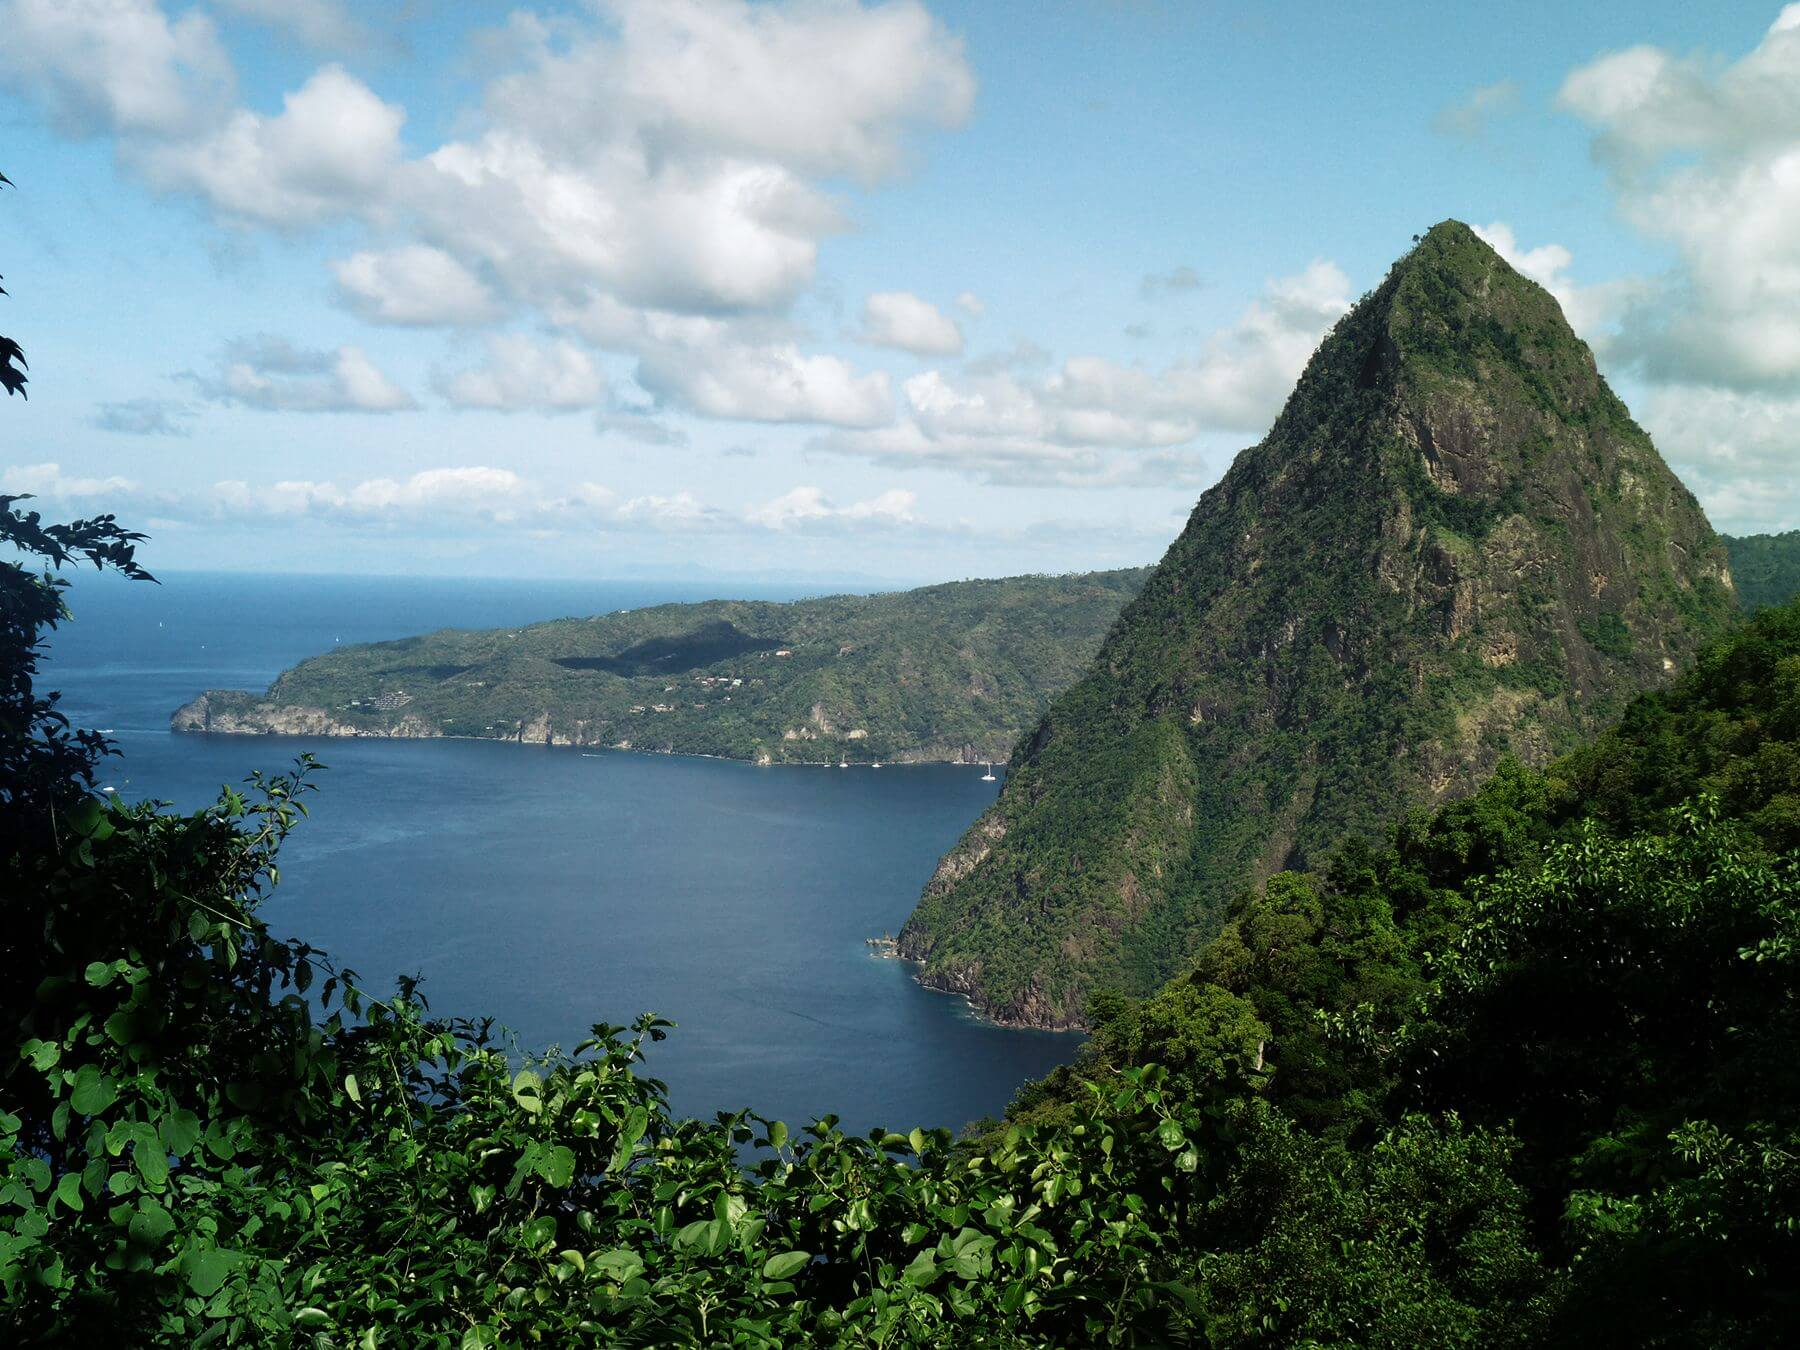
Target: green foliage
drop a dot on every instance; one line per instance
(1590, 967)
(944, 672)
(1521, 1076)
(1629, 1008)
(1766, 569)
(1454, 546)
(210, 1135)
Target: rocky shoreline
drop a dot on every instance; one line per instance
(890, 948)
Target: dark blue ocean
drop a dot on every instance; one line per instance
(552, 889)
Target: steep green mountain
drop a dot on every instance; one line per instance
(1455, 544)
(950, 672)
(1765, 568)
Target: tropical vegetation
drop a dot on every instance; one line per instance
(948, 672)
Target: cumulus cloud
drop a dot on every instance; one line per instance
(1470, 116)
(115, 66)
(672, 158)
(1069, 426)
(1707, 156)
(522, 373)
(656, 160)
(334, 148)
(901, 319)
(706, 367)
(1704, 154)
(48, 480)
(809, 508)
(414, 285)
(1738, 451)
(970, 303)
(272, 374)
(143, 417)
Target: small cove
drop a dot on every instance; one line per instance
(552, 888)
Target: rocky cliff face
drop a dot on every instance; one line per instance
(232, 712)
(1454, 545)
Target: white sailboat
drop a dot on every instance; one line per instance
(988, 777)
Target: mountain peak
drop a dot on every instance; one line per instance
(1454, 544)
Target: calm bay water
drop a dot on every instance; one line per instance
(552, 889)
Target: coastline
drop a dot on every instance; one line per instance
(586, 748)
(196, 718)
(887, 948)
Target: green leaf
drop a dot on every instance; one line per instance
(922, 1272)
(786, 1265)
(528, 1091)
(180, 1131)
(88, 819)
(557, 1166)
(99, 973)
(352, 1088)
(1172, 1137)
(619, 1265)
(94, 1091)
(778, 1133)
(151, 1162)
(206, 1271)
(68, 1191)
(150, 1225)
(637, 1121)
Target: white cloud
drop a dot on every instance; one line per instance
(333, 149)
(1739, 452)
(809, 508)
(522, 373)
(670, 158)
(901, 319)
(114, 66)
(1071, 426)
(1704, 154)
(472, 495)
(48, 480)
(1707, 156)
(414, 285)
(271, 374)
(820, 88)
(970, 303)
(644, 161)
(704, 367)
(323, 24)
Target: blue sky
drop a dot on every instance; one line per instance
(819, 289)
